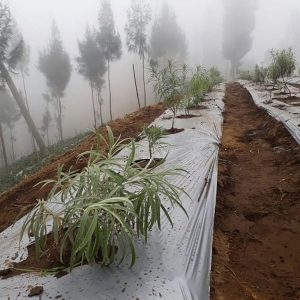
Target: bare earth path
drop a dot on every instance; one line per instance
(256, 253)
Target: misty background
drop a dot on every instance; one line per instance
(267, 24)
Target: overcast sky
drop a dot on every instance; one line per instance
(201, 21)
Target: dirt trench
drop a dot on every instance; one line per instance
(256, 252)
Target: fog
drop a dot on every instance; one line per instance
(275, 23)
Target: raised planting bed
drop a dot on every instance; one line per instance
(288, 114)
(175, 263)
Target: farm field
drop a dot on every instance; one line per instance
(150, 150)
(256, 241)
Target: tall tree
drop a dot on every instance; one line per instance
(8, 116)
(46, 124)
(54, 63)
(109, 40)
(239, 22)
(11, 50)
(92, 65)
(47, 118)
(23, 66)
(167, 39)
(139, 16)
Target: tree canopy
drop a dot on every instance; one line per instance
(167, 38)
(91, 61)
(139, 16)
(54, 62)
(108, 38)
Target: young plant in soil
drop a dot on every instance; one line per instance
(170, 85)
(153, 135)
(283, 65)
(103, 208)
(202, 82)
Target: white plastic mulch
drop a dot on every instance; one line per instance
(287, 113)
(175, 264)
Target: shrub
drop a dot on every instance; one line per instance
(215, 77)
(199, 85)
(170, 84)
(153, 134)
(260, 74)
(103, 207)
(283, 65)
(202, 82)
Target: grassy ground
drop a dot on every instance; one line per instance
(31, 163)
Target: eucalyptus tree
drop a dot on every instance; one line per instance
(109, 41)
(92, 66)
(54, 63)
(167, 40)
(139, 16)
(11, 51)
(9, 114)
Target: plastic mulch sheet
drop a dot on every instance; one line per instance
(287, 113)
(176, 262)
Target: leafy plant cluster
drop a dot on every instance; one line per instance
(283, 65)
(170, 84)
(103, 207)
(178, 86)
(153, 134)
(202, 82)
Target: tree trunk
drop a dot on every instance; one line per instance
(100, 105)
(12, 144)
(23, 109)
(3, 147)
(145, 101)
(93, 102)
(27, 105)
(109, 88)
(60, 119)
(47, 134)
(233, 69)
(136, 89)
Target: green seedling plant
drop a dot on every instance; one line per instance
(202, 82)
(154, 135)
(260, 74)
(103, 208)
(186, 104)
(199, 85)
(170, 84)
(283, 65)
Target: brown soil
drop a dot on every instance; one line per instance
(174, 130)
(142, 163)
(50, 259)
(186, 116)
(20, 199)
(257, 224)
